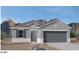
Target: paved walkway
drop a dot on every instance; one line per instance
(64, 46)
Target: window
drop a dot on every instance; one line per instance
(20, 33)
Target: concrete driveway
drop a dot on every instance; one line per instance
(64, 46)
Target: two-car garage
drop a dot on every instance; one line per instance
(55, 36)
(54, 31)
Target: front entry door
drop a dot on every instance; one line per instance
(33, 36)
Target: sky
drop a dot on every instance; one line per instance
(20, 14)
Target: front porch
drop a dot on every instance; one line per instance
(20, 34)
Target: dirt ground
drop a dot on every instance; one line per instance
(24, 46)
(75, 41)
(16, 46)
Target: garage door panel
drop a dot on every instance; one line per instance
(50, 36)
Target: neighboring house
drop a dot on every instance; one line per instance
(75, 28)
(52, 31)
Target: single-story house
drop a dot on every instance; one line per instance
(53, 31)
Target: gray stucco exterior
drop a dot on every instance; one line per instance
(36, 34)
(25, 38)
(56, 26)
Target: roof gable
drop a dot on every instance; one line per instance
(56, 23)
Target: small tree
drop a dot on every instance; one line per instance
(3, 35)
(72, 35)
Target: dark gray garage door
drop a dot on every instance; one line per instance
(54, 36)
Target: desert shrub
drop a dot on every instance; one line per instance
(72, 35)
(3, 35)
